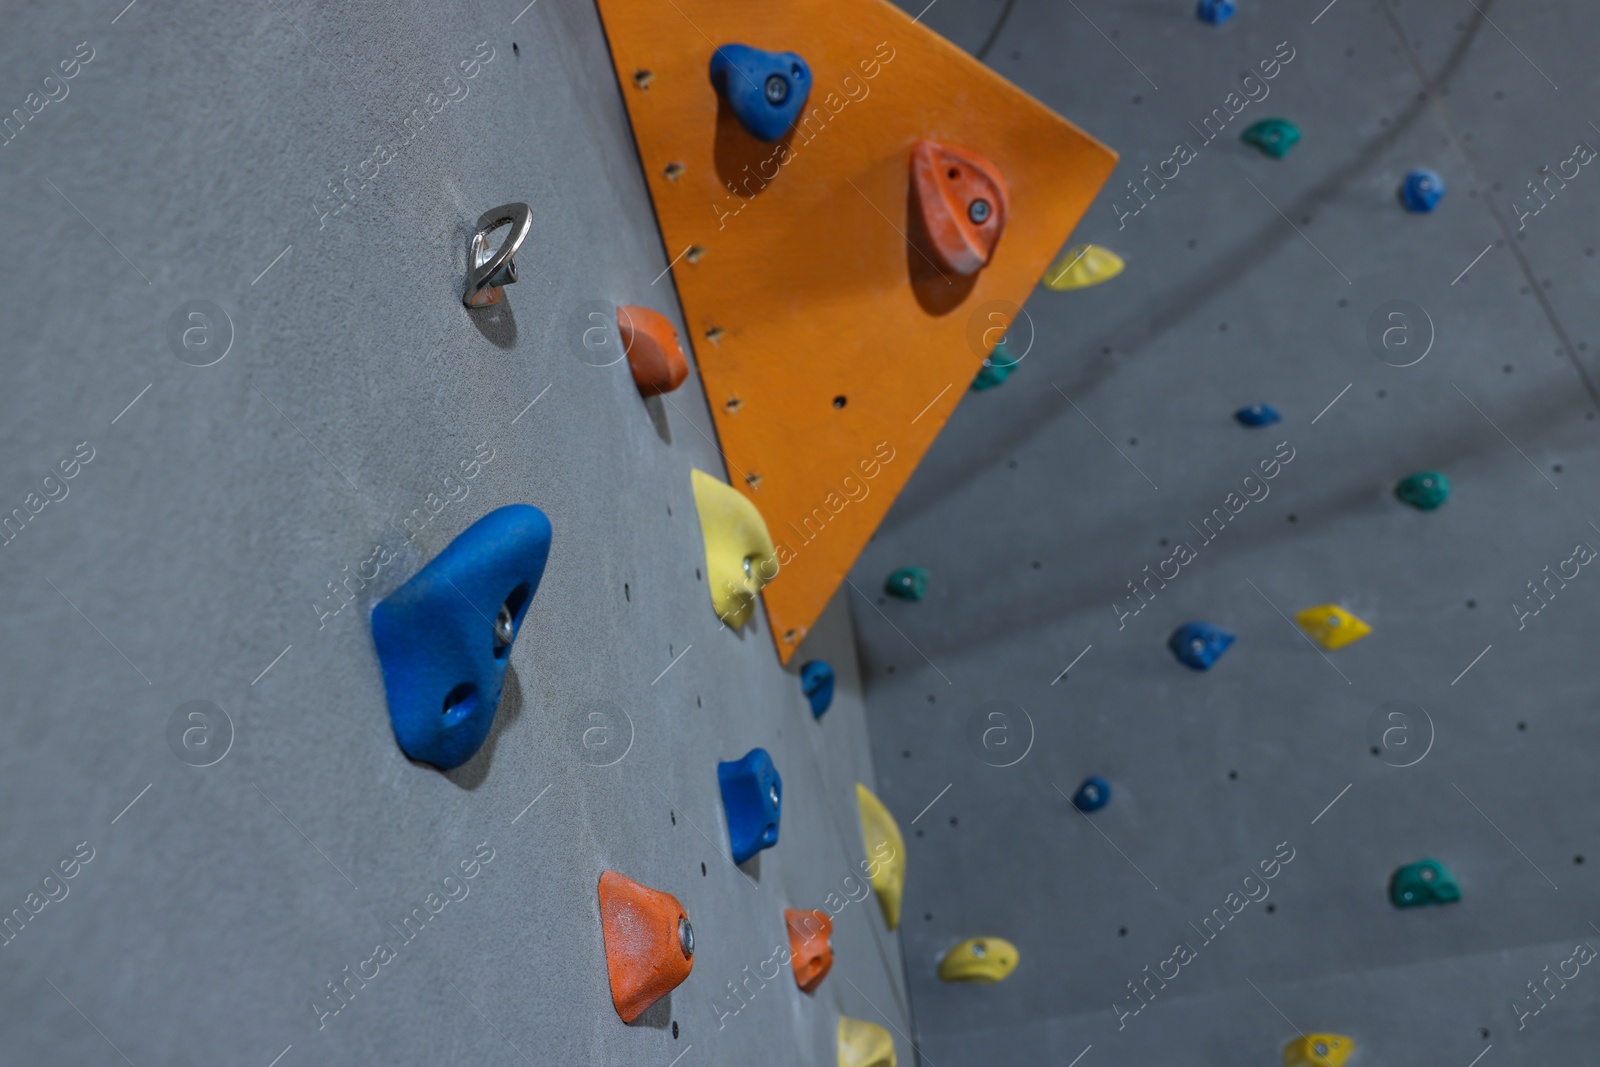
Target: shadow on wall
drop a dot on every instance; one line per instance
(470, 775)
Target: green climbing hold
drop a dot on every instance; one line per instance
(996, 369)
(907, 583)
(1423, 882)
(1273, 136)
(1424, 490)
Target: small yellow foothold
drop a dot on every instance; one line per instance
(1082, 266)
(886, 854)
(1331, 626)
(979, 959)
(740, 557)
(864, 1044)
(1318, 1050)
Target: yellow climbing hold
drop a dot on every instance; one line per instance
(864, 1044)
(740, 557)
(1082, 266)
(886, 854)
(1318, 1050)
(979, 959)
(1331, 626)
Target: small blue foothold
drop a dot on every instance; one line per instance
(816, 682)
(1421, 191)
(1216, 12)
(444, 638)
(1199, 644)
(766, 91)
(751, 794)
(1257, 415)
(1093, 794)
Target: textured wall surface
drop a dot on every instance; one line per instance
(191, 159)
(1046, 495)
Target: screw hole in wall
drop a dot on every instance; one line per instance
(702, 868)
(839, 401)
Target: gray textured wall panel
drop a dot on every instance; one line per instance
(199, 141)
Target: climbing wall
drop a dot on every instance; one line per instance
(1258, 280)
(244, 404)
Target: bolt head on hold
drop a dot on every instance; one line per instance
(907, 583)
(1093, 794)
(961, 202)
(1424, 882)
(648, 941)
(752, 795)
(490, 268)
(1257, 415)
(1273, 136)
(816, 682)
(1198, 645)
(443, 659)
(1424, 490)
(1215, 12)
(1421, 191)
(766, 91)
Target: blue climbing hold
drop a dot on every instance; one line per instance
(1215, 12)
(766, 91)
(1093, 794)
(751, 794)
(816, 682)
(1199, 644)
(1421, 191)
(444, 638)
(1258, 415)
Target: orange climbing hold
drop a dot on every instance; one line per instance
(654, 354)
(961, 200)
(649, 943)
(810, 946)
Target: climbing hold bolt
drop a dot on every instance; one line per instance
(1257, 415)
(1318, 1050)
(886, 854)
(961, 199)
(444, 638)
(907, 583)
(1093, 794)
(1424, 490)
(816, 682)
(654, 354)
(649, 943)
(1082, 266)
(810, 946)
(766, 91)
(1331, 626)
(979, 959)
(740, 556)
(751, 795)
(1215, 12)
(1423, 882)
(1421, 191)
(1273, 136)
(1199, 645)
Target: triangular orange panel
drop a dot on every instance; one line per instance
(826, 341)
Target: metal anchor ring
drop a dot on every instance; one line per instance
(488, 270)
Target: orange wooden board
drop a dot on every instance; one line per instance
(799, 282)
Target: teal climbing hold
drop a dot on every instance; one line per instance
(1424, 490)
(1423, 882)
(907, 583)
(1273, 136)
(996, 369)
